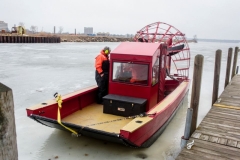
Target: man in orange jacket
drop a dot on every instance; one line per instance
(102, 73)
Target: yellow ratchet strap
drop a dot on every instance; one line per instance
(59, 101)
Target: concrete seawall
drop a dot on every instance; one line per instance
(29, 39)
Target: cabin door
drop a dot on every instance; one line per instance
(162, 71)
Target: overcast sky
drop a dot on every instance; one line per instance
(215, 19)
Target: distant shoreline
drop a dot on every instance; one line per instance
(85, 38)
(79, 38)
(218, 40)
(76, 38)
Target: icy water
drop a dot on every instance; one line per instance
(36, 71)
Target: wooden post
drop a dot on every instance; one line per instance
(228, 69)
(7, 39)
(187, 128)
(216, 78)
(235, 62)
(8, 140)
(75, 31)
(196, 88)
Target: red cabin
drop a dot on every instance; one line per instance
(135, 71)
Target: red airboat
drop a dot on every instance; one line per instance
(136, 112)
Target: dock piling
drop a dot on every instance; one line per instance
(235, 62)
(228, 69)
(196, 88)
(186, 136)
(8, 140)
(216, 78)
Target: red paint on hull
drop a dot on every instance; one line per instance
(142, 134)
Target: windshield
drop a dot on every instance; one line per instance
(130, 73)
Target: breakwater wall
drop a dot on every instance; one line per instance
(29, 39)
(75, 38)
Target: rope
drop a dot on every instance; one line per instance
(59, 101)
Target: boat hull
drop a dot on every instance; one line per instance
(106, 136)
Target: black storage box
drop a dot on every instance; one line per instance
(123, 105)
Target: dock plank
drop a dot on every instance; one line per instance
(238, 145)
(228, 116)
(217, 131)
(223, 122)
(223, 149)
(232, 143)
(204, 137)
(198, 153)
(222, 141)
(225, 110)
(213, 139)
(214, 154)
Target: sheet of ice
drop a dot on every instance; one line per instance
(36, 71)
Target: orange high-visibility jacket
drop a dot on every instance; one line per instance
(99, 61)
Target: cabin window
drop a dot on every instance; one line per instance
(130, 73)
(155, 72)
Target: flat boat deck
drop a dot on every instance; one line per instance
(93, 114)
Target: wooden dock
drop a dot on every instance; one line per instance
(28, 39)
(218, 135)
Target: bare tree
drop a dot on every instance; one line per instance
(60, 29)
(33, 29)
(21, 24)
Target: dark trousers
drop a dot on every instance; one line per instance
(102, 83)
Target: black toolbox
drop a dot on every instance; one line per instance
(123, 105)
